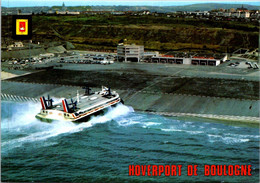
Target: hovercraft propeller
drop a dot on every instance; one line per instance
(46, 103)
(87, 90)
(74, 104)
(49, 102)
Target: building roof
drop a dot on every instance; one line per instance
(193, 55)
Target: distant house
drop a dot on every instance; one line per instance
(245, 14)
(242, 12)
(67, 12)
(18, 44)
(227, 14)
(146, 12)
(239, 14)
(221, 13)
(15, 45)
(181, 12)
(255, 14)
(73, 12)
(235, 14)
(117, 13)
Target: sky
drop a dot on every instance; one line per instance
(26, 3)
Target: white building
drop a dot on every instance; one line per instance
(130, 52)
(227, 14)
(67, 12)
(15, 45)
(191, 59)
(235, 14)
(151, 54)
(245, 14)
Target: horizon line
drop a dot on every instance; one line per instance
(22, 3)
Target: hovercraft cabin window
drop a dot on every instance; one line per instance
(66, 115)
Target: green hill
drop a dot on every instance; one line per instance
(102, 32)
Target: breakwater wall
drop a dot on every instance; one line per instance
(179, 103)
(17, 98)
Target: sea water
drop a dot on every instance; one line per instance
(102, 149)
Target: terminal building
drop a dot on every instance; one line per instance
(135, 53)
(190, 58)
(131, 52)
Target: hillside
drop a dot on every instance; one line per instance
(102, 32)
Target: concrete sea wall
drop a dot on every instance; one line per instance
(165, 104)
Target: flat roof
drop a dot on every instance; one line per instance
(84, 101)
(193, 55)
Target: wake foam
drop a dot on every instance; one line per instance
(19, 119)
(16, 115)
(226, 140)
(113, 112)
(180, 130)
(150, 124)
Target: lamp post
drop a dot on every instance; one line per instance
(258, 41)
